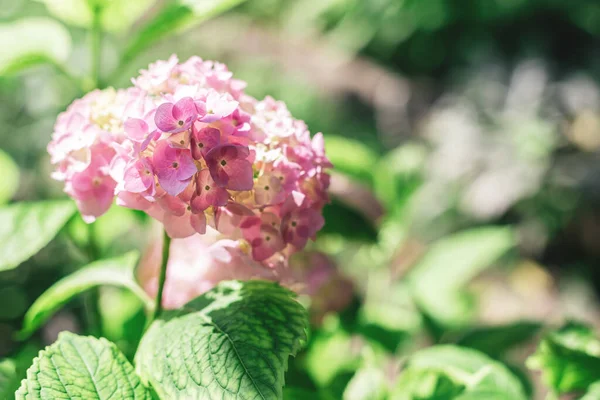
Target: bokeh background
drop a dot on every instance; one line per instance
(465, 137)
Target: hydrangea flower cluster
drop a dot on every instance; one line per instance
(189, 147)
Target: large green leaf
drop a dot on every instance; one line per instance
(25, 228)
(593, 392)
(9, 380)
(568, 358)
(78, 367)
(116, 15)
(451, 263)
(177, 16)
(32, 41)
(115, 272)
(496, 340)
(232, 342)
(451, 372)
(10, 177)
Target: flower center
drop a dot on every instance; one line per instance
(206, 187)
(267, 187)
(96, 181)
(180, 123)
(175, 164)
(294, 223)
(223, 163)
(201, 145)
(267, 238)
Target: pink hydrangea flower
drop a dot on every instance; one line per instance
(186, 145)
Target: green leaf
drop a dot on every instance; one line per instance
(369, 383)
(452, 372)
(80, 367)
(115, 272)
(399, 175)
(10, 177)
(351, 157)
(25, 228)
(232, 342)
(568, 358)
(40, 40)
(177, 16)
(116, 15)
(9, 380)
(593, 392)
(450, 263)
(496, 340)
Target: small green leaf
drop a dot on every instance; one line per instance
(9, 380)
(452, 262)
(452, 372)
(25, 228)
(351, 157)
(177, 16)
(40, 40)
(568, 358)
(496, 340)
(232, 342)
(79, 367)
(10, 177)
(115, 272)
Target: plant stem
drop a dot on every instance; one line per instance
(162, 276)
(90, 299)
(96, 44)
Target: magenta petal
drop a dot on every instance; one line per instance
(187, 167)
(217, 196)
(240, 175)
(184, 110)
(198, 203)
(164, 118)
(173, 186)
(203, 140)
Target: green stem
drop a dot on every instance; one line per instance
(162, 276)
(90, 299)
(96, 44)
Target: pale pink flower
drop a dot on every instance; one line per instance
(174, 167)
(176, 117)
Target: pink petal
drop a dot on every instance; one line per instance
(164, 118)
(198, 222)
(136, 129)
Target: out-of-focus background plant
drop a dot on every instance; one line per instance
(465, 195)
